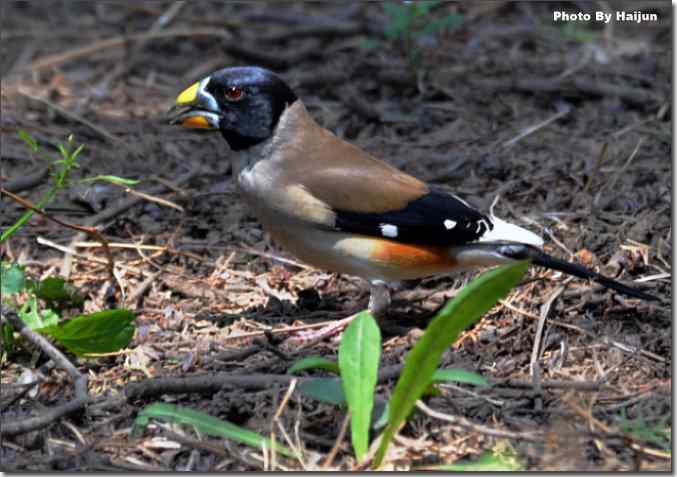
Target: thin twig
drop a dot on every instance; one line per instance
(616, 344)
(337, 444)
(116, 141)
(120, 41)
(566, 109)
(534, 365)
(88, 230)
(114, 210)
(16, 427)
(534, 436)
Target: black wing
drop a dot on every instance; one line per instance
(436, 218)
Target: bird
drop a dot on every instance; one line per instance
(337, 207)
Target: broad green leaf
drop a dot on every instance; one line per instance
(12, 277)
(488, 462)
(204, 423)
(113, 180)
(323, 389)
(459, 376)
(314, 362)
(468, 306)
(28, 139)
(100, 332)
(57, 291)
(358, 358)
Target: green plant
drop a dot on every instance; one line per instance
(61, 170)
(657, 434)
(359, 355)
(409, 22)
(43, 301)
(40, 304)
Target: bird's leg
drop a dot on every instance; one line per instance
(379, 300)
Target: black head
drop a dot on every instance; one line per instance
(244, 103)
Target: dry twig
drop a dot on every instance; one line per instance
(44, 419)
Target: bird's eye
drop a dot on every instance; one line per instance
(234, 93)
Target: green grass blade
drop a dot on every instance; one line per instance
(358, 358)
(314, 362)
(206, 424)
(468, 306)
(459, 376)
(488, 462)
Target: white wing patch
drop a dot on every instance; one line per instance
(507, 232)
(449, 224)
(388, 230)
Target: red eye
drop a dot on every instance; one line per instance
(234, 93)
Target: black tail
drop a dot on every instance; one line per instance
(537, 257)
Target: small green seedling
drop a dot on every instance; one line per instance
(359, 355)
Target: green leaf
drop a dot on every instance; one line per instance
(12, 277)
(459, 376)
(74, 155)
(28, 139)
(358, 358)
(63, 151)
(323, 389)
(100, 332)
(204, 423)
(488, 462)
(121, 181)
(35, 318)
(448, 22)
(314, 362)
(56, 290)
(468, 306)
(400, 20)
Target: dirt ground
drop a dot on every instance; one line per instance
(566, 125)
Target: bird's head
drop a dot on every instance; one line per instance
(244, 103)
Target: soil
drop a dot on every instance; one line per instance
(564, 127)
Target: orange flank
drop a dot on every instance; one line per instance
(411, 255)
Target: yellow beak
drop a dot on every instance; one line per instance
(188, 96)
(195, 108)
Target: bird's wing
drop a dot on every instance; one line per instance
(340, 186)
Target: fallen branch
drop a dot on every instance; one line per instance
(213, 382)
(572, 86)
(117, 209)
(42, 420)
